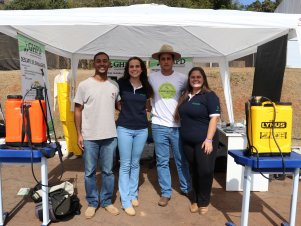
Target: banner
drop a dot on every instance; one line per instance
(117, 69)
(182, 65)
(34, 71)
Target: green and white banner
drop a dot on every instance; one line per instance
(33, 67)
(182, 65)
(117, 69)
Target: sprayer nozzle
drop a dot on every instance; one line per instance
(258, 99)
(39, 93)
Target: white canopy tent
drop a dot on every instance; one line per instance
(139, 30)
(293, 51)
(289, 6)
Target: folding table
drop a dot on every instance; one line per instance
(266, 164)
(26, 156)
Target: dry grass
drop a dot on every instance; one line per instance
(241, 89)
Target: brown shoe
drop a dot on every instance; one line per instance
(130, 211)
(163, 201)
(90, 212)
(135, 202)
(112, 210)
(194, 208)
(203, 210)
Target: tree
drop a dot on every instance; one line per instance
(265, 6)
(221, 4)
(36, 4)
(268, 6)
(23, 5)
(57, 4)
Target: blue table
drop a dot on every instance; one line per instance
(267, 165)
(27, 155)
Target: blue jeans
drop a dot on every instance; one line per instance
(101, 152)
(164, 137)
(130, 145)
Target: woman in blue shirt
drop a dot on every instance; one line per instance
(199, 111)
(132, 129)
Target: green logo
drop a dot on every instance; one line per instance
(167, 91)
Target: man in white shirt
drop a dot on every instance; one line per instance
(168, 86)
(97, 137)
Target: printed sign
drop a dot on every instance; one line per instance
(33, 69)
(182, 65)
(117, 69)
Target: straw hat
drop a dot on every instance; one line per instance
(166, 49)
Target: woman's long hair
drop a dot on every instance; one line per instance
(143, 76)
(184, 97)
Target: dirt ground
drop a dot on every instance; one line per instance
(266, 208)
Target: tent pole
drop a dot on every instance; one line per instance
(225, 76)
(298, 31)
(74, 67)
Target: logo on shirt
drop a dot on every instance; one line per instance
(113, 95)
(167, 91)
(217, 109)
(195, 103)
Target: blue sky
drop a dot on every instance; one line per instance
(247, 2)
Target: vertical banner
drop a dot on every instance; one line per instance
(182, 65)
(33, 70)
(269, 69)
(117, 69)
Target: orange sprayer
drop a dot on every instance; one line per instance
(16, 121)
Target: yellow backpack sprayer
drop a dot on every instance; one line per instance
(269, 127)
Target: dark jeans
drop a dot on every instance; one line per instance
(201, 171)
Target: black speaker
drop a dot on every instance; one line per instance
(269, 69)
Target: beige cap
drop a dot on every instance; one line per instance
(166, 49)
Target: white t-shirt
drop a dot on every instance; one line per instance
(167, 91)
(98, 99)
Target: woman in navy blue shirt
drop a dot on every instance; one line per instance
(199, 111)
(132, 131)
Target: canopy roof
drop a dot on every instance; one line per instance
(289, 6)
(141, 29)
(293, 50)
